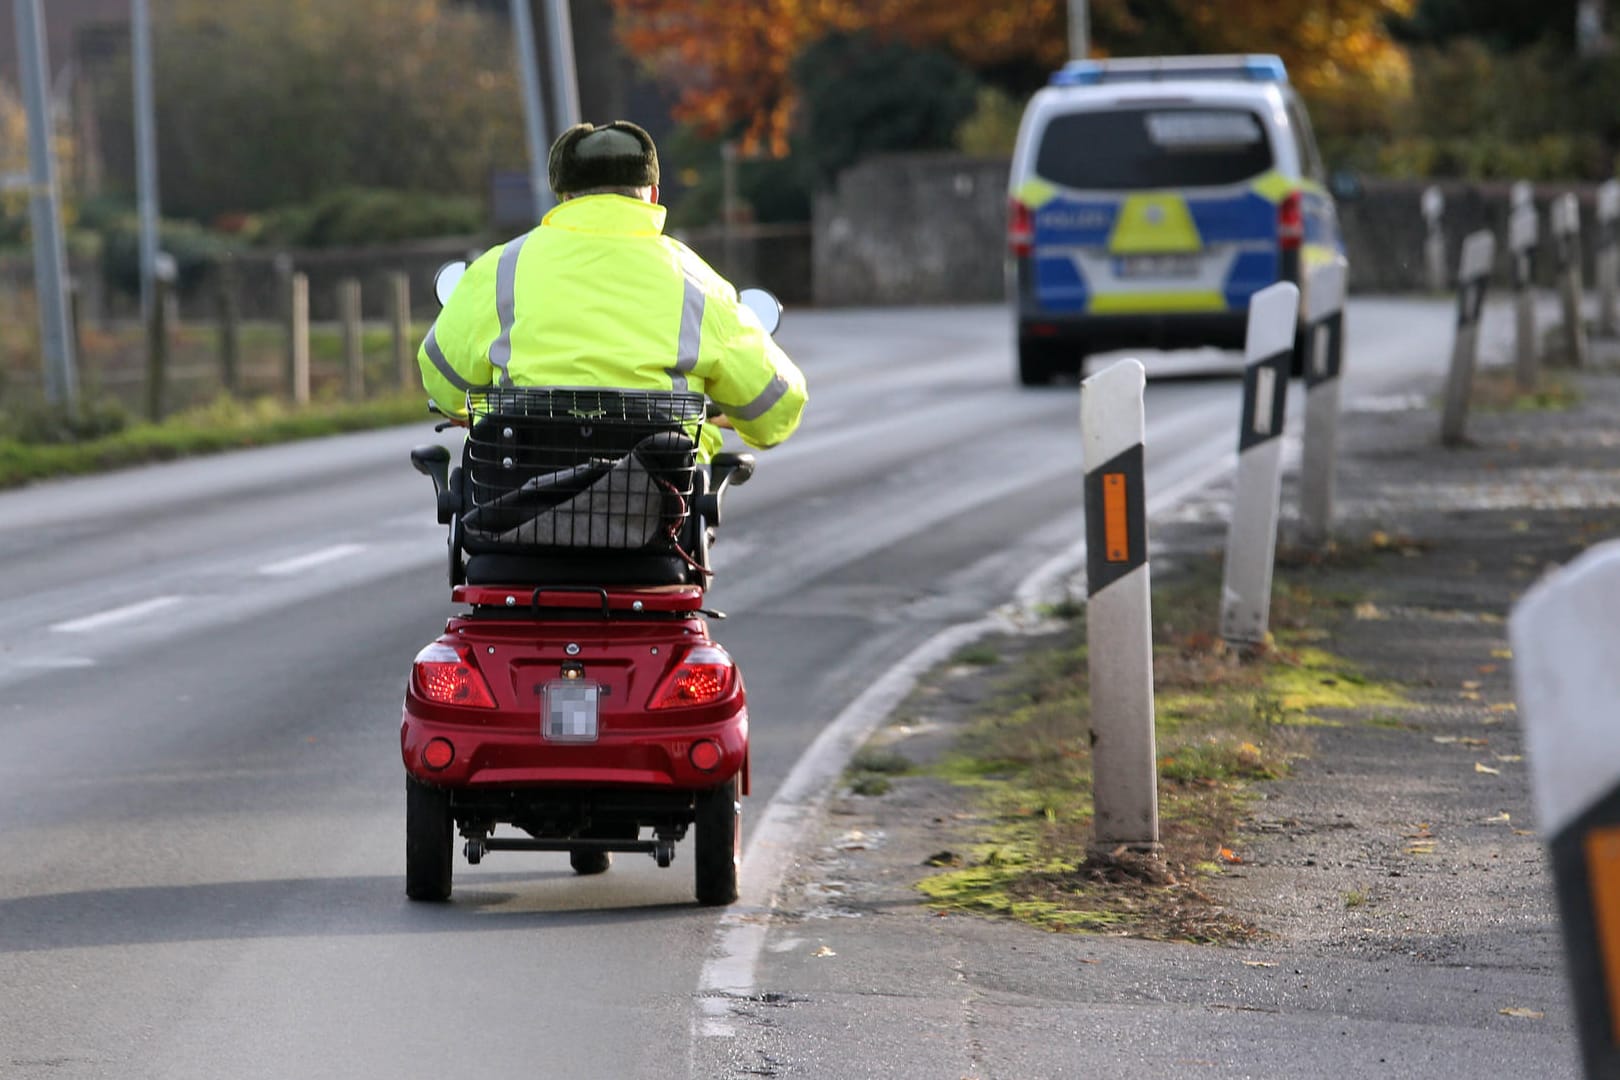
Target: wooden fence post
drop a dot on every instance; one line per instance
(229, 310)
(298, 339)
(354, 354)
(399, 318)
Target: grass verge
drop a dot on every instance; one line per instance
(1225, 720)
(226, 424)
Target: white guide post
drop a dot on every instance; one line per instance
(1251, 541)
(1473, 276)
(1523, 237)
(1608, 258)
(1565, 639)
(1433, 206)
(1566, 230)
(1324, 358)
(1119, 619)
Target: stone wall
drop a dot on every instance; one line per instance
(912, 229)
(931, 228)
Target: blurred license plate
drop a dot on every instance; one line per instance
(570, 711)
(1157, 266)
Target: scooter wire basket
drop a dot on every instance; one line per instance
(570, 469)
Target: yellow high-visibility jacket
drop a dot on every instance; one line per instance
(598, 296)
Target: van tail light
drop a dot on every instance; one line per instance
(446, 677)
(704, 676)
(1291, 222)
(1020, 229)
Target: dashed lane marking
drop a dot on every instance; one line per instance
(114, 616)
(314, 558)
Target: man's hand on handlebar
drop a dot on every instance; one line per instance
(712, 413)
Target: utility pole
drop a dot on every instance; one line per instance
(1079, 30)
(1590, 36)
(564, 75)
(50, 255)
(146, 186)
(534, 110)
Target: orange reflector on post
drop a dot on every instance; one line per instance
(1603, 873)
(1116, 529)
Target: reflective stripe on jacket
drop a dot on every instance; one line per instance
(598, 296)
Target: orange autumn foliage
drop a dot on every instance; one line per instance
(730, 60)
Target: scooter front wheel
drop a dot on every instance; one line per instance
(430, 834)
(718, 840)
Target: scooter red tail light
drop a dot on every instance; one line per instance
(704, 676)
(438, 754)
(444, 676)
(704, 755)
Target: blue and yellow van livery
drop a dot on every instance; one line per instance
(1150, 199)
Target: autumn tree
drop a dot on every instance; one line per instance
(731, 60)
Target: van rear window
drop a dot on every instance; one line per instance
(1126, 149)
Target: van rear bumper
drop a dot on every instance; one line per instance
(1159, 330)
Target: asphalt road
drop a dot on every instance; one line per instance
(201, 802)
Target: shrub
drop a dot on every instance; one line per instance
(358, 216)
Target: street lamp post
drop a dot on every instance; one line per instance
(50, 255)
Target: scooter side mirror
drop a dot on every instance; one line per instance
(446, 278)
(765, 306)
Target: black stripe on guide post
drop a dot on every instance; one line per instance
(1106, 564)
(1583, 955)
(1524, 267)
(1470, 302)
(1320, 369)
(1271, 419)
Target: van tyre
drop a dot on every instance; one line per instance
(430, 833)
(1036, 362)
(588, 862)
(718, 842)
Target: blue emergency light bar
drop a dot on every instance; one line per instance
(1256, 67)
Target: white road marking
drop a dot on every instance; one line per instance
(116, 615)
(52, 663)
(314, 558)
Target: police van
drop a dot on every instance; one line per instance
(1150, 198)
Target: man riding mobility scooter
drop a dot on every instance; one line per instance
(579, 697)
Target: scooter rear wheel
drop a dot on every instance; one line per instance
(430, 834)
(718, 843)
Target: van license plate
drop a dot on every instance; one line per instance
(570, 711)
(1157, 266)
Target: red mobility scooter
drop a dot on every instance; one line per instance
(577, 703)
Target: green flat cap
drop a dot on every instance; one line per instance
(585, 156)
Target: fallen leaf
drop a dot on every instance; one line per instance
(1508, 757)
(1421, 831)
(1499, 819)
(1486, 669)
(1421, 847)
(1445, 739)
(1479, 768)
(1473, 740)
(1258, 963)
(1522, 1012)
(1504, 706)
(1524, 832)
(1087, 960)
(1502, 654)
(1379, 539)
(1470, 684)
(1469, 695)
(824, 951)
(1227, 855)
(1367, 611)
